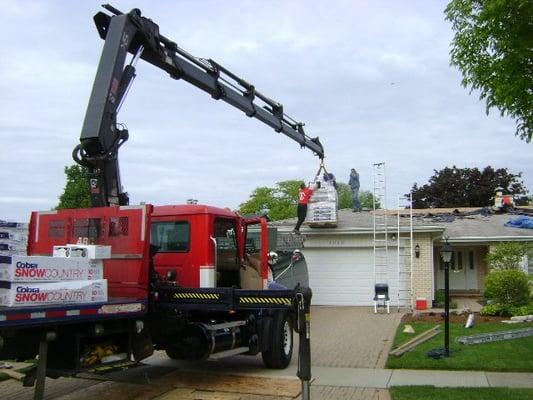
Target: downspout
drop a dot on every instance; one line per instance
(433, 266)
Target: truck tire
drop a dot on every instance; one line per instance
(174, 353)
(279, 354)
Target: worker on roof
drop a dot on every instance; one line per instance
(354, 185)
(304, 195)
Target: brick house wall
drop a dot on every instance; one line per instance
(423, 268)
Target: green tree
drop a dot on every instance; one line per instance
(366, 198)
(465, 187)
(279, 201)
(492, 48)
(345, 197)
(76, 193)
(507, 255)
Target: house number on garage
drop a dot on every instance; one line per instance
(336, 242)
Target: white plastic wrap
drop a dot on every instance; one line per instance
(322, 209)
(92, 252)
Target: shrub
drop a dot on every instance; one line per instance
(440, 297)
(507, 311)
(522, 310)
(508, 287)
(496, 309)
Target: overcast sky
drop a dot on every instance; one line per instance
(370, 78)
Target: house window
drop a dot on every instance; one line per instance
(457, 261)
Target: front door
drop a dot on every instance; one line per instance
(463, 270)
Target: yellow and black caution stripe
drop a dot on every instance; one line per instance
(287, 301)
(197, 296)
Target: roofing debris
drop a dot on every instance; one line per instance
(448, 215)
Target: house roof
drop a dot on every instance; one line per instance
(460, 225)
(479, 227)
(359, 222)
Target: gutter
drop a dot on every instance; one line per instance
(484, 239)
(361, 231)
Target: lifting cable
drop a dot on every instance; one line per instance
(321, 168)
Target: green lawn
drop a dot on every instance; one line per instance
(432, 393)
(510, 355)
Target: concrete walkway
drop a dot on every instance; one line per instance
(375, 378)
(328, 382)
(386, 378)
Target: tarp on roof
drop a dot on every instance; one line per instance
(521, 222)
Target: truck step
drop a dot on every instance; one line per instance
(225, 325)
(229, 353)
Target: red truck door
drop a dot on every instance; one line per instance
(176, 260)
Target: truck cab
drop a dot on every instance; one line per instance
(200, 246)
(191, 246)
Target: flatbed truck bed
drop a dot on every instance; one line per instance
(11, 317)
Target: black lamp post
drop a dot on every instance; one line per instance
(446, 254)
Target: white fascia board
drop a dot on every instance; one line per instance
(474, 239)
(363, 231)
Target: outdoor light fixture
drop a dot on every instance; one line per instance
(446, 253)
(417, 251)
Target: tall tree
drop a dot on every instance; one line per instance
(493, 49)
(345, 197)
(465, 187)
(76, 192)
(279, 201)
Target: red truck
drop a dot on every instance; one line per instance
(180, 278)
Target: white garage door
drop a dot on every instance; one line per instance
(344, 276)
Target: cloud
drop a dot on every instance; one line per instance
(371, 79)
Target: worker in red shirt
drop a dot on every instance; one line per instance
(304, 195)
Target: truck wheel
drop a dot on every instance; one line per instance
(174, 353)
(280, 352)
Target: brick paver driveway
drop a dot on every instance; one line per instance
(352, 337)
(340, 337)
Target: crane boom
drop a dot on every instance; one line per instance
(101, 135)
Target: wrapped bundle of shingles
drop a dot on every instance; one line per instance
(322, 208)
(73, 275)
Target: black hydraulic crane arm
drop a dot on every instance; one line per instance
(102, 136)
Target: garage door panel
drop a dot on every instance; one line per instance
(344, 276)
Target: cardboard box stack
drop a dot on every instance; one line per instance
(73, 275)
(322, 208)
(13, 238)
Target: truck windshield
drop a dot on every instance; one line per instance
(171, 236)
